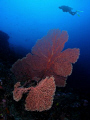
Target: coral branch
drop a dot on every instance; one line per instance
(19, 91)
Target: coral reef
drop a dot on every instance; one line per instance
(4, 45)
(45, 59)
(7, 55)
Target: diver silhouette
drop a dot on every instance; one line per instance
(69, 9)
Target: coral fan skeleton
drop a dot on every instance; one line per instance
(45, 59)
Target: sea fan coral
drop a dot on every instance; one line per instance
(48, 59)
(45, 59)
(19, 91)
(41, 97)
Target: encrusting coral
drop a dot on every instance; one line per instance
(46, 59)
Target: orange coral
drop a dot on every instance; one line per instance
(48, 59)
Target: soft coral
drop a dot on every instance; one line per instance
(47, 59)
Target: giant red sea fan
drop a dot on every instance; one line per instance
(48, 59)
(41, 97)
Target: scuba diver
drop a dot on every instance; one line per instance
(69, 9)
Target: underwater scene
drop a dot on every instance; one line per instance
(44, 60)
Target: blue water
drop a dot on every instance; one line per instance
(25, 21)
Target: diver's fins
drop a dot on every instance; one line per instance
(79, 11)
(78, 15)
